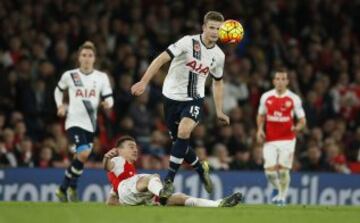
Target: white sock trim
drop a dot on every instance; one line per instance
(200, 202)
(176, 160)
(155, 185)
(193, 163)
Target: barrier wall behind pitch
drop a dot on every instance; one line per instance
(32, 184)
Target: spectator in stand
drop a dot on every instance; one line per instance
(313, 161)
(7, 159)
(45, 159)
(241, 160)
(220, 159)
(24, 153)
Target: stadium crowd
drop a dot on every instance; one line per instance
(317, 40)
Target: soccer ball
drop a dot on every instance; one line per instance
(231, 31)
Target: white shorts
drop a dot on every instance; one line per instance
(128, 195)
(279, 152)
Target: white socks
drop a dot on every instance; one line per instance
(155, 185)
(284, 182)
(200, 202)
(272, 177)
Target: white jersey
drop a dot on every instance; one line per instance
(85, 92)
(191, 64)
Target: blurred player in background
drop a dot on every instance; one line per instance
(193, 59)
(130, 188)
(87, 88)
(276, 114)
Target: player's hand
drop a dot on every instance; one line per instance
(260, 136)
(295, 129)
(105, 105)
(224, 119)
(138, 88)
(111, 153)
(61, 112)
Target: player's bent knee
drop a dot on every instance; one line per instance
(154, 176)
(83, 156)
(184, 133)
(283, 168)
(142, 183)
(271, 168)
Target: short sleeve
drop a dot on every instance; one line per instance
(218, 71)
(64, 81)
(106, 90)
(119, 163)
(262, 107)
(178, 47)
(298, 109)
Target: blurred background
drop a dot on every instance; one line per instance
(318, 40)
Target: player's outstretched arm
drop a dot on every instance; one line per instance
(108, 164)
(139, 87)
(218, 94)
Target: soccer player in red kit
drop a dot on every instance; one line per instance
(277, 129)
(130, 188)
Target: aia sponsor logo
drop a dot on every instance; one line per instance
(198, 67)
(85, 93)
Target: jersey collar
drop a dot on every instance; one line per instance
(86, 74)
(281, 95)
(201, 40)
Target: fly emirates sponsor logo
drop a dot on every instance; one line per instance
(277, 117)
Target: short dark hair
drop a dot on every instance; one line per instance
(214, 16)
(124, 138)
(280, 69)
(88, 45)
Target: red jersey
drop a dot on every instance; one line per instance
(122, 170)
(279, 114)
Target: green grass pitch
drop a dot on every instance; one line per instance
(39, 212)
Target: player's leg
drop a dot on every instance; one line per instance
(83, 146)
(202, 168)
(172, 111)
(286, 157)
(191, 113)
(149, 182)
(177, 155)
(135, 190)
(180, 147)
(194, 110)
(270, 166)
(180, 199)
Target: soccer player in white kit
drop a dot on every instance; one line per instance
(130, 188)
(87, 88)
(276, 114)
(193, 59)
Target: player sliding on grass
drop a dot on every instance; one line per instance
(130, 188)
